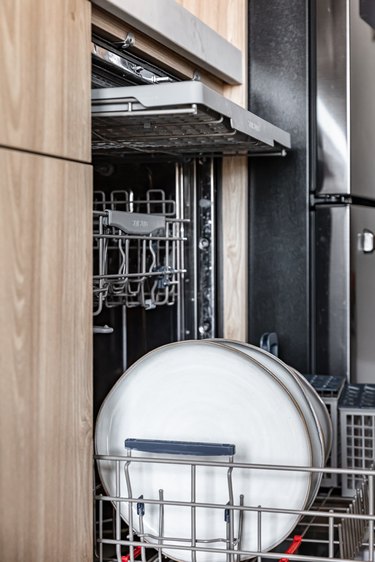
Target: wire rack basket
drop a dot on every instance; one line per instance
(333, 529)
(357, 428)
(330, 389)
(139, 246)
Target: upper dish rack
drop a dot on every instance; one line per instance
(140, 250)
(180, 119)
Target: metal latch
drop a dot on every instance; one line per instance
(366, 241)
(129, 41)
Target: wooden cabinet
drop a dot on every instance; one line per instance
(229, 19)
(45, 282)
(46, 270)
(45, 77)
(45, 359)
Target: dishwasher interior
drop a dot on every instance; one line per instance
(154, 256)
(155, 273)
(156, 281)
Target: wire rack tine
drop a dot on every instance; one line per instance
(341, 525)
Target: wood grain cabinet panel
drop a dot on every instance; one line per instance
(229, 19)
(45, 76)
(45, 359)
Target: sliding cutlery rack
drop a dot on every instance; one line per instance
(333, 529)
(139, 250)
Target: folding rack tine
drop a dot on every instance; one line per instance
(341, 525)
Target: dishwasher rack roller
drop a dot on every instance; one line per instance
(334, 529)
(139, 248)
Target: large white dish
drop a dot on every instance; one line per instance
(323, 420)
(292, 380)
(201, 391)
(321, 411)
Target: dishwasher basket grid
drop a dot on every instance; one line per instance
(139, 247)
(357, 428)
(330, 389)
(334, 528)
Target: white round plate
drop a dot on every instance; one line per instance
(292, 380)
(201, 391)
(321, 411)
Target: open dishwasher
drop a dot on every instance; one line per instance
(157, 146)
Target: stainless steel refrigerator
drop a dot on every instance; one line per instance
(311, 234)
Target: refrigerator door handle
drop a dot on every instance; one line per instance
(366, 242)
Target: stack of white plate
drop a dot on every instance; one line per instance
(217, 391)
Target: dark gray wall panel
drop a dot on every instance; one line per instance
(279, 240)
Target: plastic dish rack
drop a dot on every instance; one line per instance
(330, 389)
(334, 529)
(357, 427)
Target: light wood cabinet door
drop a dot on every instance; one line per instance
(229, 19)
(45, 359)
(45, 77)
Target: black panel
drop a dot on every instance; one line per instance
(322, 241)
(367, 11)
(279, 217)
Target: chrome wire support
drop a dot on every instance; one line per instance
(138, 249)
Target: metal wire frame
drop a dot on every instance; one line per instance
(344, 525)
(137, 269)
(357, 430)
(330, 388)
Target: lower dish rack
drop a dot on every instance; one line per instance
(332, 529)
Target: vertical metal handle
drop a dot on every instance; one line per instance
(366, 241)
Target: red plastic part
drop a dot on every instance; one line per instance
(297, 539)
(137, 552)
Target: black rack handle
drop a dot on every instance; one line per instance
(162, 446)
(269, 341)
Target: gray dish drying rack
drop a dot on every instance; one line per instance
(330, 389)
(140, 250)
(357, 430)
(334, 529)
